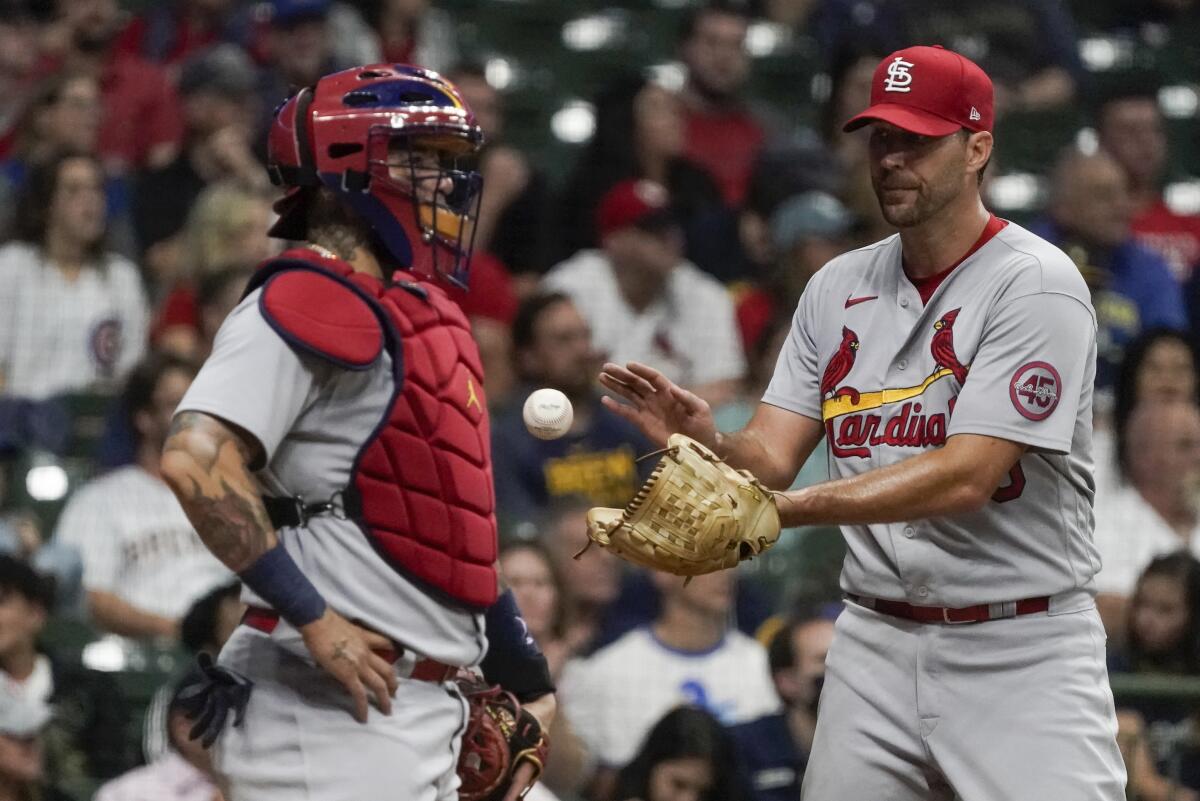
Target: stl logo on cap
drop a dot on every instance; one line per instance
(899, 78)
(953, 93)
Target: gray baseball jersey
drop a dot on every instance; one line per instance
(1005, 347)
(1013, 708)
(311, 419)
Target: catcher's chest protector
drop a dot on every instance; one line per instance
(421, 488)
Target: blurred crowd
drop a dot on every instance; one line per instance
(681, 232)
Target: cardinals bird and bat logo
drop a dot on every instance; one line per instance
(852, 423)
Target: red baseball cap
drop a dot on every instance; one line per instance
(639, 202)
(929, 91)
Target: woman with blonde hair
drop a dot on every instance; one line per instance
(226, 228)
(224, 239)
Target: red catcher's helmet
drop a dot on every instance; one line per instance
(339, 134)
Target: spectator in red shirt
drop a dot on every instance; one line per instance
(640, 133)
(18, 61)
(64, 116)
(723, 136)
(170, 32)
(410, 32)
(141, 126)
(1131, 128)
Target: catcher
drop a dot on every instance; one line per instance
(334, 452)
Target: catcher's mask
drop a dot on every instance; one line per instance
(387, 140)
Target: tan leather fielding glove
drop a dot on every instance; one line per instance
(694, 515)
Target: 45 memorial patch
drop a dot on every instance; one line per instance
(1034, 390)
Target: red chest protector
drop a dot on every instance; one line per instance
(421, 487)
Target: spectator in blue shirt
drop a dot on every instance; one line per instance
(596, 459)
(1164, 639)
(773, 750)
(64, 116)
(1132, 287)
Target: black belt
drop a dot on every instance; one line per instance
(294, 511)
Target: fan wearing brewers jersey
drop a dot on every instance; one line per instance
(144, 565)
(950, 370)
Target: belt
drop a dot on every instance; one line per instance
(265, 620)
(979, 613)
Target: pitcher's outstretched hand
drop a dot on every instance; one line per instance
(656, 405)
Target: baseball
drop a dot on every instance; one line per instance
(548, 414)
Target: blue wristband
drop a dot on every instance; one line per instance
(276, 579)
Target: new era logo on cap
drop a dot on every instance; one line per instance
(929, 91)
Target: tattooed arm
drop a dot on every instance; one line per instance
(207, 462)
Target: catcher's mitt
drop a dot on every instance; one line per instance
(500, 736)
(694, 515)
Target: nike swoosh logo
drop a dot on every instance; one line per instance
(855, 301)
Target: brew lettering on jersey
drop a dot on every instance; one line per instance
(852, 423)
